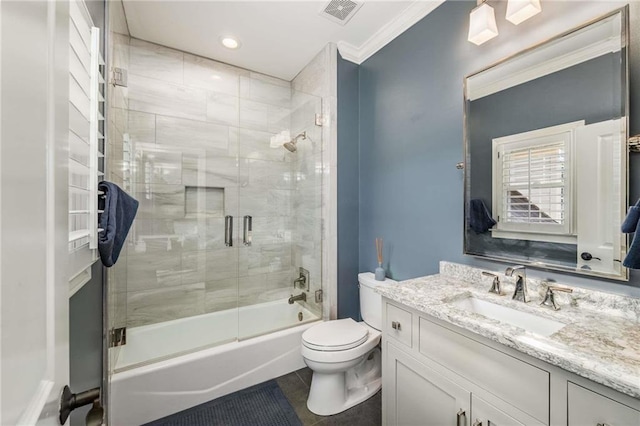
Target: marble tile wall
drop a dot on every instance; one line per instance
(200, 136)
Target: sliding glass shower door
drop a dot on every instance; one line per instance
(227, 167)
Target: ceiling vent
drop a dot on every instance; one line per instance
(340, 11)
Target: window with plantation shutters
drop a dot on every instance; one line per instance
(533, 184)
(86, 141)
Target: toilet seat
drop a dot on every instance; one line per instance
(338, 335)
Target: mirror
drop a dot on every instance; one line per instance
(546, 153)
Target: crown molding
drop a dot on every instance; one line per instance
(405, 20)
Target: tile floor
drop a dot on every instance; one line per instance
(295, 387)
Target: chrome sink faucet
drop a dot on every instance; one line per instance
(520, 272)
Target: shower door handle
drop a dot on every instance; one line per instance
(228, 231)
(246, 236)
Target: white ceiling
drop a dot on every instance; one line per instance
(277, 38)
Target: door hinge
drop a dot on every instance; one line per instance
(318, 296)
(319, 120)
(119, 77)
(117, 337)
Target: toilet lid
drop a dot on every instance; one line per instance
(337, 335)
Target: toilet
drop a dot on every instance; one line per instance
(344, 354)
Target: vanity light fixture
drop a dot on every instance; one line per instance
(482, 23)
(520, 10)
(229, 42)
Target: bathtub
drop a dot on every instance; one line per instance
(143, 390)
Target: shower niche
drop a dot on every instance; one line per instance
(203, 201)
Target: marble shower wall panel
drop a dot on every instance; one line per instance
(201, 134)
(157, 62)
(223, 108)
(215, 77)
(212, 170)
(255, 144)
(192, 134)
(142, 127)
(162, 98)
(165, 304)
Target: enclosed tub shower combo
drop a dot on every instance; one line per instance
(222, 269)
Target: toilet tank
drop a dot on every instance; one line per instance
(370, 301)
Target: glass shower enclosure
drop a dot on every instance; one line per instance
(229, 222)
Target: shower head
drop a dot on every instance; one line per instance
(291, 145)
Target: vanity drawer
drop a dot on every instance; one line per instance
(399, 324)
(589, 408)
(522, 385)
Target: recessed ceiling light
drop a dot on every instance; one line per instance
(230, 42)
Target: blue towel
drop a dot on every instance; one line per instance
(119, 211)
(630, 225)
(480, 219)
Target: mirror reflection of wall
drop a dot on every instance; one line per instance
(546, 153)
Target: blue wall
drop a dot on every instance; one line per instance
(348, 187)
(411, 139)
(411, 133)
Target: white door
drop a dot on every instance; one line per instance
(600, 171)
(34, 349)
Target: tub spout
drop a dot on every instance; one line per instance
(302, 296)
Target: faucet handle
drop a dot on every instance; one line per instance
(549, 297)
(553, 288)
(496, 285)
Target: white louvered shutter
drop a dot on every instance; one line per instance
(86, 141)
(533, 181)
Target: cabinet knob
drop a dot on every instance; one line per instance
(461, 414)
(602, 424)
(395, 325)
(478, 422)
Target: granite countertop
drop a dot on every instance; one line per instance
(601, 339)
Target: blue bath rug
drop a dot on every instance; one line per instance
(260, 405)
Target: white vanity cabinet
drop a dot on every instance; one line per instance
(435, 373)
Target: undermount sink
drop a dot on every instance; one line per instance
(530, 322)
